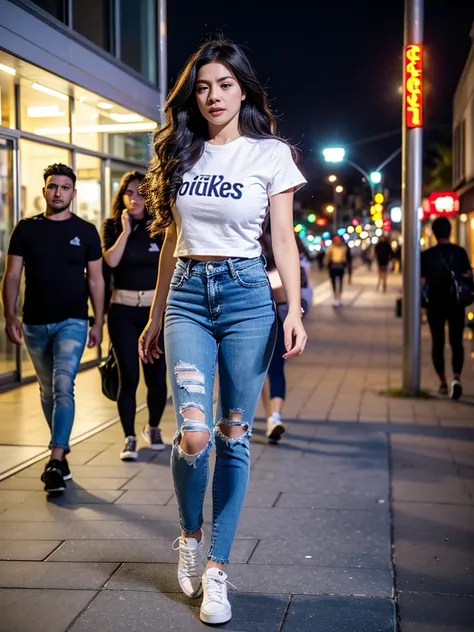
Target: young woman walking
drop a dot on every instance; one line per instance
(217, 170)
(133, 256)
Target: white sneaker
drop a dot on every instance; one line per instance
(129, 452)
(336, 303)
(275, 428)
(456, 389)
(215, 607)
(191, 565)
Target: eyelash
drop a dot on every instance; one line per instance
(223, 85)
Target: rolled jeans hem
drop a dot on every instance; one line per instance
(217, 560)
(190, 531)
(62, 446)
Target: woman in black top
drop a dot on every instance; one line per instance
(133, 256)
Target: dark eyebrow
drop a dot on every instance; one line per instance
(221, 79)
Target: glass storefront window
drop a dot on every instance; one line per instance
(54, 7)
(138, 36)
(7, 349)
(7, 90)
(92, 19)
(131, 146)
(89, 189)
(45, 106)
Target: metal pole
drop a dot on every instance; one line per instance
(412, 150)
(162, 58)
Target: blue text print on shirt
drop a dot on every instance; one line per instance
(211, 186)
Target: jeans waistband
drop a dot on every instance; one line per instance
(212, 268)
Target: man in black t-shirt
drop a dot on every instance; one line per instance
(438, 265)
(55, 248)
(383, 254)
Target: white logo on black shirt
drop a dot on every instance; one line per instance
(75, 242)
(153, 248)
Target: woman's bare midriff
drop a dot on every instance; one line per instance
(207, 258)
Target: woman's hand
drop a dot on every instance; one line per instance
(126, 223)
(295, 336)
(148, 348)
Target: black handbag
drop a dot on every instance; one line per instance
(108, 370)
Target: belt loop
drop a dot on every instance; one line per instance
(231, 269)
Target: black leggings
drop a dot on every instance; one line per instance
(337, 275)
(437, 317)
(125, 327)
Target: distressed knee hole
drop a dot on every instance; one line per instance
(233, 426)
(189, 378)
(194, 434)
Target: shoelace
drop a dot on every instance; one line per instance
(189, 559)
(215, 588)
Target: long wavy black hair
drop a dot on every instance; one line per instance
(117, 204)
(180, 142)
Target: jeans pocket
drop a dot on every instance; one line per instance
(177, 279)
(253, 276)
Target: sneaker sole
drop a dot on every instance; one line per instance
(68, 477)
(55, 483)
(276, 432)
(157, 447)
(195, 595)
(129, 456)
(215, 619)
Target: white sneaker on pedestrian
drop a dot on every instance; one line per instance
(153, 438)
(275, 428)
(336, 303)
(215, 607)
(191, 565)
(129, 452)
(456, 389)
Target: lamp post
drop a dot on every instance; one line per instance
(412, 149)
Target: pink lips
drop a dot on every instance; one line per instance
(216, 112)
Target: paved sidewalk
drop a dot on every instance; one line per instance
(355, 474)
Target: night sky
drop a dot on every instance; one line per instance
(333, 68)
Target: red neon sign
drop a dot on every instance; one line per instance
(444, 203)
(414, 86)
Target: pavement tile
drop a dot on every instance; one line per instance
(436, 613)
(31, 610)
(445, 519)
(29, 550)
(144, 551)
(74, 496)
(340, 614)
(330, 500)
(139, 497)
(255, 578)
(12, 498)
(137, 611)
(71, 575)
(252, 499)
(71, 513)
(120, 470)
(445, 489)
(426, 562)
(299, 522)
(355, 550)
(94, 529)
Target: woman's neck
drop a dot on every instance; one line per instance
(223, 134)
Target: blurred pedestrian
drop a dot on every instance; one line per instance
(447, 283)
(336, 261)
(133, 255)
(56, 247)
(384, 255)
(274, 390)
(218, 167)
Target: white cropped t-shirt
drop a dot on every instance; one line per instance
(223, 199)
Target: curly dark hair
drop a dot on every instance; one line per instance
(58, 169)
(180, 142)
(117, 204)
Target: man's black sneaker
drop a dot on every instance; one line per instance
(53, 478)
(65, 471)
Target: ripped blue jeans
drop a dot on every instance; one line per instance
(218, 313)
(56, 352)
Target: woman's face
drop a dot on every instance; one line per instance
(218, 93)
(133, 201)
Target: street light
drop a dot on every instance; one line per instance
(339, 189)
(332, 178)
(376, 177)
(334, 154)
(330, 208)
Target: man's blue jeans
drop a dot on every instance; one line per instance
(217, 313)
(56, 352)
